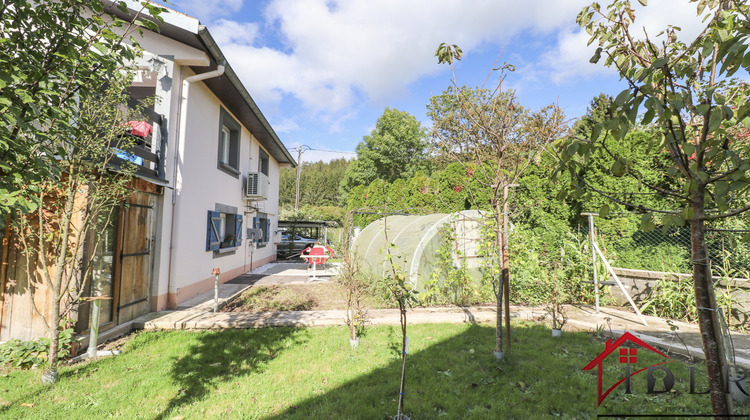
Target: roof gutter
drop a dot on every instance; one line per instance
(217, 55)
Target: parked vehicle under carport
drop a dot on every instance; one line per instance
(292, 245)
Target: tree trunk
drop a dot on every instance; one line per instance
(402, 390)
(54, 321)
(60, 259)
(705, 301)
(506, 268)
(500, 254)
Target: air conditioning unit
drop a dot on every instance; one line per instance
(257, 186)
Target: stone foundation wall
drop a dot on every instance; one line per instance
(640, 284)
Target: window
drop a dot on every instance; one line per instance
(223, 231)
(226, 139)
(262, 161)
(262, 223)
(229, 144)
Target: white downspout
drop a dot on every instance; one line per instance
(181, 129)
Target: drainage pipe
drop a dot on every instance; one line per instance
(181, 130)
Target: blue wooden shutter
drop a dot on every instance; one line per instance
(212, 231)
(237, 229)
(265, 231)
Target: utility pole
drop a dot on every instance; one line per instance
(299, 173)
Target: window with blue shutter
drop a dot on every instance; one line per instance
(223, 230)
(238, 230)
(213, 239)
(261, 225)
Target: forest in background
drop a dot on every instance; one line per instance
(543, 213)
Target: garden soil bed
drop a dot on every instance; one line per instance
(290, 297)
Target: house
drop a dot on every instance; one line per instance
(206, 194)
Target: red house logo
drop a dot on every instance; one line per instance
(627, 356)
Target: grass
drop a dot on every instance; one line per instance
(312, 373)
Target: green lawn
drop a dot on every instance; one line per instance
(312, 373)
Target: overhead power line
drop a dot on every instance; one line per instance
(294, 149)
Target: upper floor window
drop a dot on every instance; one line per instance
(262, 161)
(229, 144)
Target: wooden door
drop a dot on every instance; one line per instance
(136, 260)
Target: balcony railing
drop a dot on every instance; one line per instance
(146, 153)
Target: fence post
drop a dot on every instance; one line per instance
(593, 258)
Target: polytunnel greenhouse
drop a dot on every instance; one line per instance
(416, 243)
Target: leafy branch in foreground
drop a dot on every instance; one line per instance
(55, 55)
(685, 89)
(60, 239)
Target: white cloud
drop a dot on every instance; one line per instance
(228, 32)
(312, 156)
(337, 54)
(286, 125)
(569, 58)
(318, 153)
(340, 57)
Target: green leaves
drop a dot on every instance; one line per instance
(604, 211)
(618, 168)
(689, 100)
(660, 62)
(42, 88)
(687, 213)
(597, 56)
(395, 149)
(647, 222)
(448, 53)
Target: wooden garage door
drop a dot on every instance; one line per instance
(136, 260)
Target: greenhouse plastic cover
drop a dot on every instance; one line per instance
(416, 241)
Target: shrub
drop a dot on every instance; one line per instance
(33, 353)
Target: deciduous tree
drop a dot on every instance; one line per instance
(396, 148)
(63, 234)
(684, 88)
(61, 95)
(54, 54)
(494, 139)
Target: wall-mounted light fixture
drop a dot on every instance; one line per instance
(157, 65)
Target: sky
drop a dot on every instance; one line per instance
(323, 71)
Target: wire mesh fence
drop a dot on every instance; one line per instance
(669, 249)
(626, 245)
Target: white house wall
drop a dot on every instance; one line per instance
(182, 267)
(200, 187)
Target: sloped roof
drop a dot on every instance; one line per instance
(227, 87)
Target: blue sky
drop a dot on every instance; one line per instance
(323, 71)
